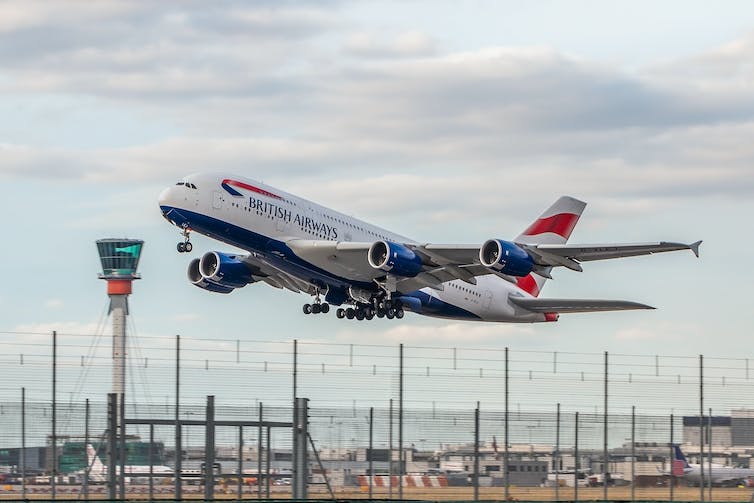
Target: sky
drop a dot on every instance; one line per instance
(447, 121)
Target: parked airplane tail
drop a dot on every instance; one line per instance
(680, 464)
(95, 464)
(554, 226)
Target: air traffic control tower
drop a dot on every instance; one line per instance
(120, 258)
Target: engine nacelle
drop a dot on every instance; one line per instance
(196, 278)
(225, 270)
(506, 257)
(394, 258)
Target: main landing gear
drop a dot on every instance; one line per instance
(185, 245)
(380, 308)
(317, 307)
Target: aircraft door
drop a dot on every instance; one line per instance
(487, 300)
(217, 200)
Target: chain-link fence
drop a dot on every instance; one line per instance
(386, 421)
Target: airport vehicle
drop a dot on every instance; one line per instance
(301, 246)
(721, 475)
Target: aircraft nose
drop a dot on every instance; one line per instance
(164, 198)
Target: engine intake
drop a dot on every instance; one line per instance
(394, 258)
(506, 257)
(225, 270)
(196, 279)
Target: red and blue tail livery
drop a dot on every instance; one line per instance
(368, 271)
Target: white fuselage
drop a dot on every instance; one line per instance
(253, 220)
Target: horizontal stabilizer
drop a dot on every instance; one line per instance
(575, 305)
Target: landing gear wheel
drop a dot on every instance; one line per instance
(359, 314)
(369, 314)
(316, 308)
(380, 313)
(181, 247)
(188, 246)
(307, 309)
(325, 308)
(340, 313)
(399, 314)
(390, 314)
(350, 313)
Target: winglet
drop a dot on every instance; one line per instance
(695, 247)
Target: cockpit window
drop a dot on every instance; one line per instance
(180, 183)
(191, 185)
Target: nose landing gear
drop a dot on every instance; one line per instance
(185, 245)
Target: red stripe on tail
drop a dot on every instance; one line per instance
(561, 224)
(528, 284)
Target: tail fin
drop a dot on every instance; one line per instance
(95, 464)
(680, 464)
(554, 226)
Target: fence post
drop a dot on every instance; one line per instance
(709, 453)
(112, 446)
(23, 443)
(401, 459)
(267, 462)
(576, 461)
(371, 449)
(605, 454)
(556, 468)
(476, 453)
(86, 448)
(121, 428)
(151, 462)
(701, 427)
(390, 449)
(177, 490)
(633, 452)
(295, 448)
(506, 474)
(260, 444)
(671, 458)
(240, 462)
(209, 449)
(301, 431)
(54, 414)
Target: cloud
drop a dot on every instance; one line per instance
(410, 44)
(254, 89)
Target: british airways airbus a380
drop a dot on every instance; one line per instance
(299, 245)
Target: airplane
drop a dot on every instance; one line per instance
(721, 475)
(295, 244)
(98, 470)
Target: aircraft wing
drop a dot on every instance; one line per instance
(447, 262)
(539, 305)
(263, 271)
(440, 263)
(570, 255)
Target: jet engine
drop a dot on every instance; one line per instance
(506, 257)
(196, 278)
(225, 270)
(394, 258)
